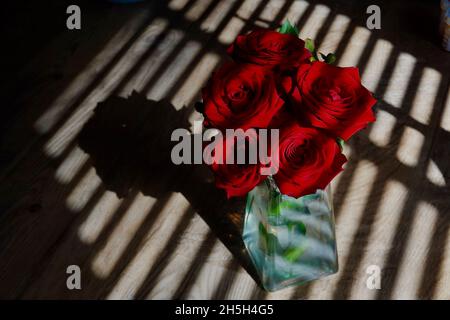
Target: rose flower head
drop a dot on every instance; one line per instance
(309, 159)
(269, 48)
(234, 174)
(240, 96)
(331, 98)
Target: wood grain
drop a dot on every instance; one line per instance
(88, 181)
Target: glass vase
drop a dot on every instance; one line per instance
(290, 240)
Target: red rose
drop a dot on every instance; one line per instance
(308, 160)
(269, 48)
(279, 120)
(236, 179)
(331, 98)
(240, 96)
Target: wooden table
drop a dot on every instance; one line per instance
(104, 200)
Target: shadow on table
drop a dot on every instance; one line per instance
(129, 142)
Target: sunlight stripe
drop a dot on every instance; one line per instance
(412, 261)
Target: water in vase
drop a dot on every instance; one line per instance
(290, 240)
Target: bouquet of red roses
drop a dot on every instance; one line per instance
(277, 81)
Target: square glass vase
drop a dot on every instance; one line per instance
(289, 240)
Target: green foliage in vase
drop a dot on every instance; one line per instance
(268, 241)
(293, 253)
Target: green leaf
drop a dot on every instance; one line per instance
(294, 253)
(341, 143)
(262, 231)
(263, 237)
(288, 28)
(301, 228)
(267, 240)
(309, 45)
(292, 205)
(298, 227)
(330, 59)
(274, 206)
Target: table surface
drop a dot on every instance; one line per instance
(99, 196)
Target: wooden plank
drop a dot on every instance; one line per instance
(31, 176)
(72, 241)
(172, 234)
